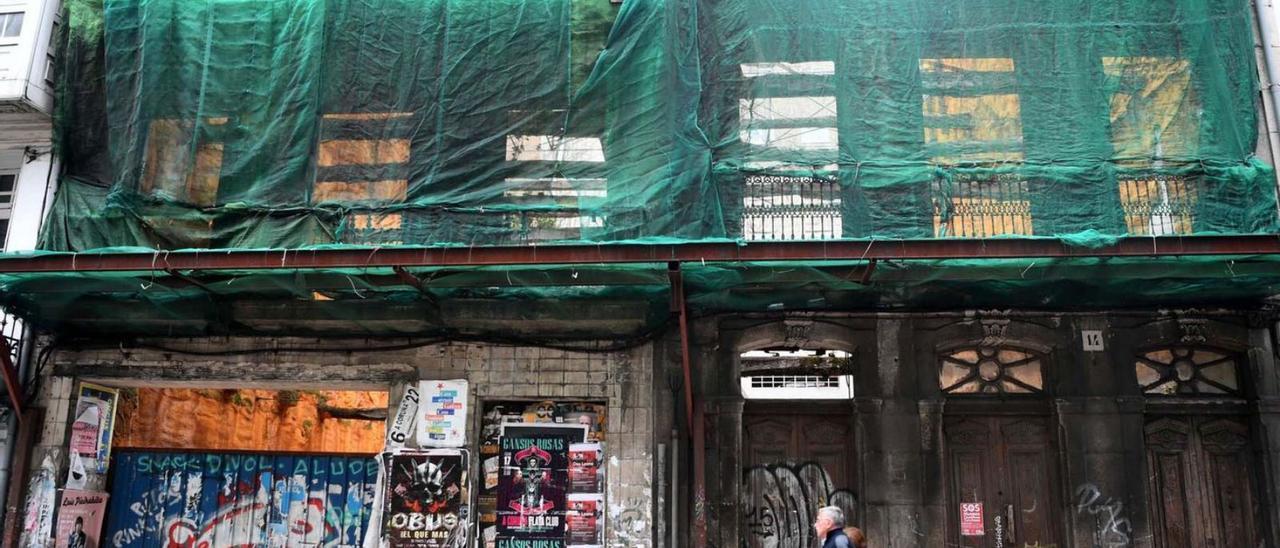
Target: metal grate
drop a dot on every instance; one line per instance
(794, 381)
(1158, 206)
(782, 207)
(977, 207)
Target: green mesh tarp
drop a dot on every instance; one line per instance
(291, 123)
(308, 123)
(612, 302)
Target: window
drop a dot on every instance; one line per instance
(7, 183)
(175, 169)
(1187, 371)
(553, 179)
(789, 112)
(371, 170)
(51, 55)
(1154, 120)
(991, 370)
(796, 374)
(10, 26)
(973, 120)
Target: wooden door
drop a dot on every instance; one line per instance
(1007, 464)
(795, 464)
(1200, 488)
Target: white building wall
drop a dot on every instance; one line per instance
(24, 59)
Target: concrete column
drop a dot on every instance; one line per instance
(889, 425)
(1267, 429)
(1105, 481)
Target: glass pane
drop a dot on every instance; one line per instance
(1205, 356)
(1013, 388)
(1010, 356)
(1029, 373)
(1206, 388)
(12, 25)
(1160, 356)
(967, 356)
(1223, 373)
(1146, 374)
(951, 374)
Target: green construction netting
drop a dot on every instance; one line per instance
(289, 123)
(607, 301)
(300, 123)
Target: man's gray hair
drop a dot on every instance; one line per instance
(835, 513)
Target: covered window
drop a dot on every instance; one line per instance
(1155, 124)
(787, 119)
(973, 127)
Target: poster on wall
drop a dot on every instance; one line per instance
(442, 419)
(93, 424)
(583, 520)
(584, 468)
(80, 519)
(582, 424)
(426, 499)
(971, 519)
(531, 489)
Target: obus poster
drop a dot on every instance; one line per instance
(532, 482)
(425, 503)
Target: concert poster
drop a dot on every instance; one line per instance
(426, 499)
(584, 468)
(531, 489)
(583, 520)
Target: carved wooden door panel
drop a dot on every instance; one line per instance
(1200, 484)
(1009, 465)
(795, 464)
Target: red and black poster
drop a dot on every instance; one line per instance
(531, 491)
(584, 468)
(426, 499)
(584, 520)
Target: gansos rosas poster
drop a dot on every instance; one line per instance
(531, 491)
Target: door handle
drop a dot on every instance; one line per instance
(1009, 532)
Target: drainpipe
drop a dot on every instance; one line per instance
(1269, 36)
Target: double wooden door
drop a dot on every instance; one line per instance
(1008, 465)
(1199, 486)
(796, 462)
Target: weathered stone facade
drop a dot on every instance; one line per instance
(623, 379)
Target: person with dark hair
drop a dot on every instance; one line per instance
(77, 537)
(856, 537)
(830, 528)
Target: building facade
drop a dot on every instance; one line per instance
(669, 273)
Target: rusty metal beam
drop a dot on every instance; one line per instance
(680, 306)
(1005, 248)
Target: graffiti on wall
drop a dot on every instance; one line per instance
(211, 500)
(780, 500)
(1111, 528)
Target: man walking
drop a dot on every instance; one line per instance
(830, 527)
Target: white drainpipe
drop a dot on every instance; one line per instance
(1269, 35)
